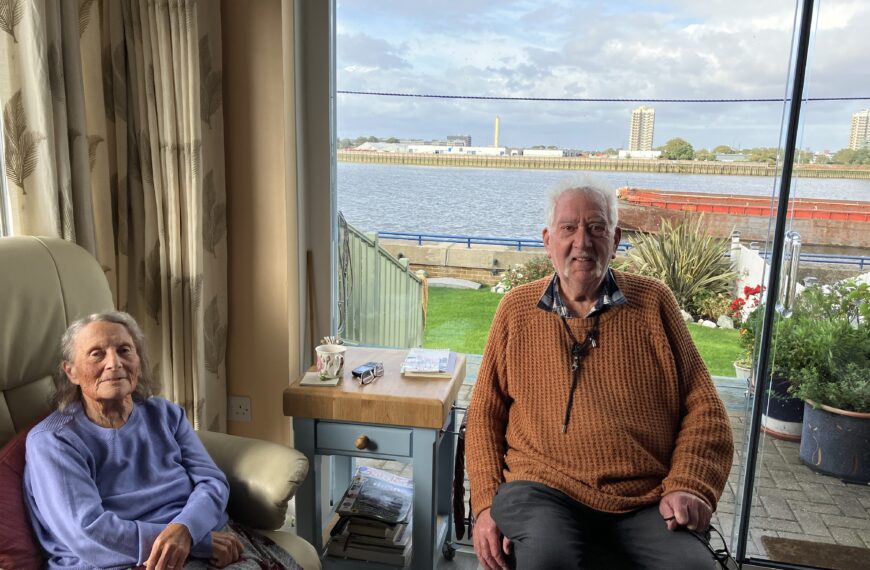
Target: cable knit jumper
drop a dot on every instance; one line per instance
(646, 417)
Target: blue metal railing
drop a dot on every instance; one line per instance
(518, 243)
(861, 261)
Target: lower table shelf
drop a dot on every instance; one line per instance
(448, 549)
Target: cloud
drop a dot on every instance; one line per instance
(659, 49)
(360, 51)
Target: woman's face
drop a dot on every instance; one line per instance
(105, 363)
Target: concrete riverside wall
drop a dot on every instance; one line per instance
(481, 263)
(609, 164)
(485, 263)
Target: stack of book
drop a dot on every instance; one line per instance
(429, 363)
(375, 519)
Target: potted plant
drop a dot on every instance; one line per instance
(784, 412)
(790, 353)
(743, 366)
(743, 313)
(835, 383)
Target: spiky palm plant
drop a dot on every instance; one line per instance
(690, 262)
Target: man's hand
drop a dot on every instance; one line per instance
(226, 548)
(170, 548)
(680, 508)
(489, 545)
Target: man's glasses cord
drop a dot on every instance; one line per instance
(722, 555)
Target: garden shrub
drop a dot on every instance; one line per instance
(711, 307)
(690, 262)
(532, 270)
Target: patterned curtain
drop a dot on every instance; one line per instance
(113, 138)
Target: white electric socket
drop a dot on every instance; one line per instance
(239, 408)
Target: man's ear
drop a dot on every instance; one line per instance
(545, 235)
(67, 369)
(617, 236)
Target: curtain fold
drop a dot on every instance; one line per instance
(113, 137)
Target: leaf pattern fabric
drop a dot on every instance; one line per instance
(99, 150)
(11, 12)
(20, 143)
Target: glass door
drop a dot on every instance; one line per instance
(803, 498)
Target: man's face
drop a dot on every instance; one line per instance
(580, 242)
(105, 362)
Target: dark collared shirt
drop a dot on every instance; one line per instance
(551, 301)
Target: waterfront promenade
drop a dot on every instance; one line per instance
(791, 501)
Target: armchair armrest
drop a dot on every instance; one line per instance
(263, 477)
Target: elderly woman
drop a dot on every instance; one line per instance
(116, 477)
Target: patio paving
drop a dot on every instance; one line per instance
(790, 500)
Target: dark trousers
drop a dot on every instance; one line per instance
(549, 529)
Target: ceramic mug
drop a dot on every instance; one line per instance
(330, 360)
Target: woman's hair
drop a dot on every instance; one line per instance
(68, 393)
(584, 184)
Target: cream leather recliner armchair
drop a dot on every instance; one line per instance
(46, 284)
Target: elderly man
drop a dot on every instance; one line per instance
(594, 423)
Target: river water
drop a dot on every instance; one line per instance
(511, 203)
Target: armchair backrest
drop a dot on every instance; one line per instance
(45, 285)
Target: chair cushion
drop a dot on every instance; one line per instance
(302, 551)
(18, 549)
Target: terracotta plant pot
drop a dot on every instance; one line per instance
(836, 442)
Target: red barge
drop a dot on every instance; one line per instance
(840, 223)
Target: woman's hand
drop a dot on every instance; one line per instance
(226, 548)
(170, 548)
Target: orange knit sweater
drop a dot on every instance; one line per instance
(646, 418)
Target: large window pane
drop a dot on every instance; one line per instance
(455, 120)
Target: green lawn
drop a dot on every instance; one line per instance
(459, 319)
(718, 347)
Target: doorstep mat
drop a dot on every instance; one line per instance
(816, 554)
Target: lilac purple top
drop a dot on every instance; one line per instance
(99, 497)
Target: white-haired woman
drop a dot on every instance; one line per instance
(116, 477)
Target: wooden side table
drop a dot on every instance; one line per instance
(394, 418)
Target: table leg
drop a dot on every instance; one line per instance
(309, 518)
(446, 456)
(342, 473)
(424, 461)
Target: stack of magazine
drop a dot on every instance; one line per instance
(375, 519)
(429, 363)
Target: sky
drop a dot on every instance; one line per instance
(656, 49)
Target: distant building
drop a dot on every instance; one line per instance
(459, 140)
(544, 152)
(643, 121)
(456, 150)
(823, 156)
(859, 137)
(646, 154)
(731, 157)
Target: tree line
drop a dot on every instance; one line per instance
(681, 149)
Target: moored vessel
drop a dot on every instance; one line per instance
(843, 223)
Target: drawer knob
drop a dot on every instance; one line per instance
(362, 442)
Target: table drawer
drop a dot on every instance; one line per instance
(343, 437)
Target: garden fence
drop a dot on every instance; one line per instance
(381, 302)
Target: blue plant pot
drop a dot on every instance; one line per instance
(836, 442)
